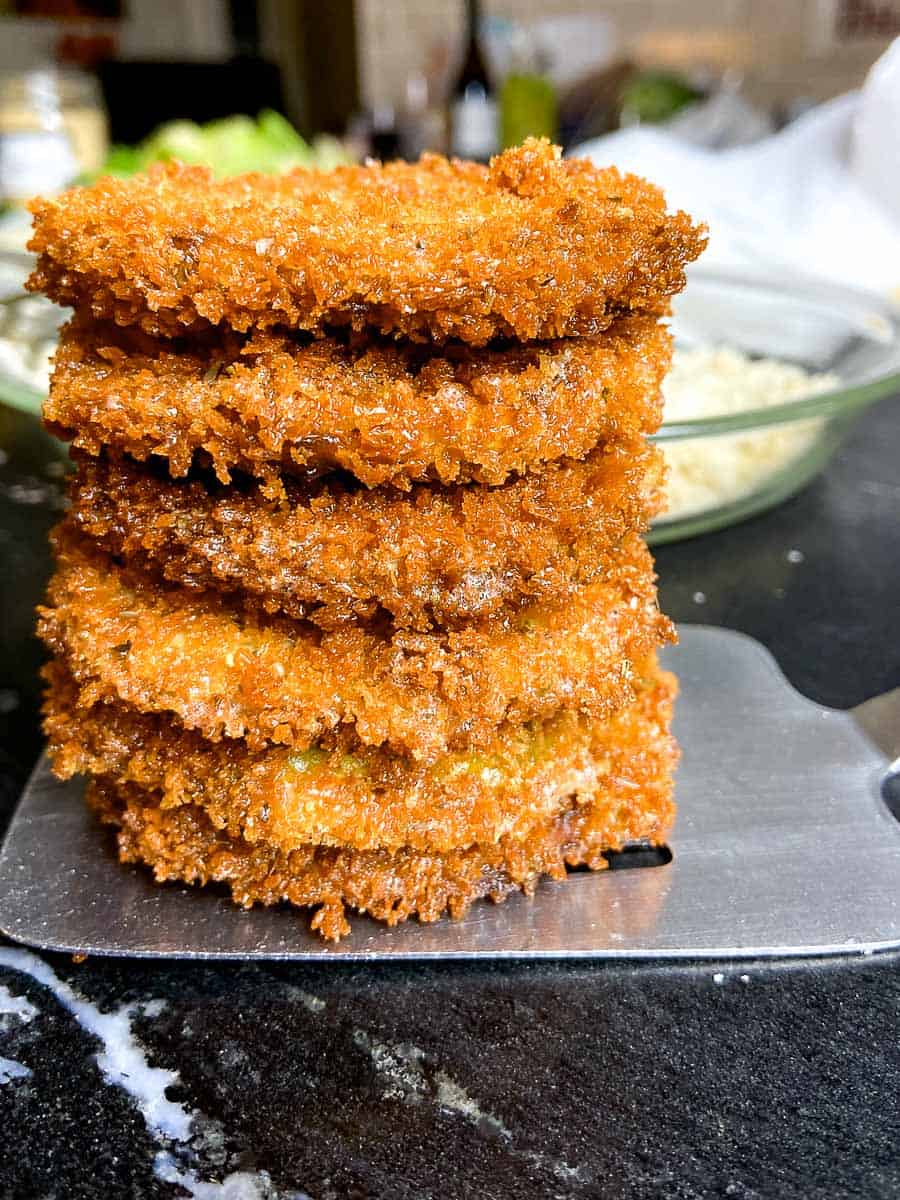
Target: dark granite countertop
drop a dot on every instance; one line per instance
(570, 1080)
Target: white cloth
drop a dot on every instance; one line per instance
(821, 197)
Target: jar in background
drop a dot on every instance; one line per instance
(53, 128)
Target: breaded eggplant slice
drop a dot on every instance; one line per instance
(390, 885)
(330, 552)
(532, 247)
(386, 413)
(371, 799)
(229, 673)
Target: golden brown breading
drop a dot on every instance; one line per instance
(387, 413)
(228, 673)
(183, 844)
(532, 247)
(332, 552)
(370, 799)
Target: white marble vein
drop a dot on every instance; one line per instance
(240, 1185)
(10, 1070)
(123, 1063)
(16, 1006)
(402, 1066)
(178, 1130)
(122, 1060)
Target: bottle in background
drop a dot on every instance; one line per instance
(385, 138)
(528, 106)
(473, 107)
(422, 125)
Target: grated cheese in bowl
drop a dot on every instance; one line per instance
(709, 472)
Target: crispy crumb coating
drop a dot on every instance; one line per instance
(390, 885)
(532, 247)
(228, 673)
(387, 413)
(370, 799)
(333, 552)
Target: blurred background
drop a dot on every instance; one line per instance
(394, 77)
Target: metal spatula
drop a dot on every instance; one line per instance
(784, 845)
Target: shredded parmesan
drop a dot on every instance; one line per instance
(708, 472)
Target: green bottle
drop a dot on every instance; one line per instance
(528, 106)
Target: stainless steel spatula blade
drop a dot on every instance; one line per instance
(783, 846)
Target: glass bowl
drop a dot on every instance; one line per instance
(723, 468)
(28, 331)
(727, 467)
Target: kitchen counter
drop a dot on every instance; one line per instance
(741, 1080)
